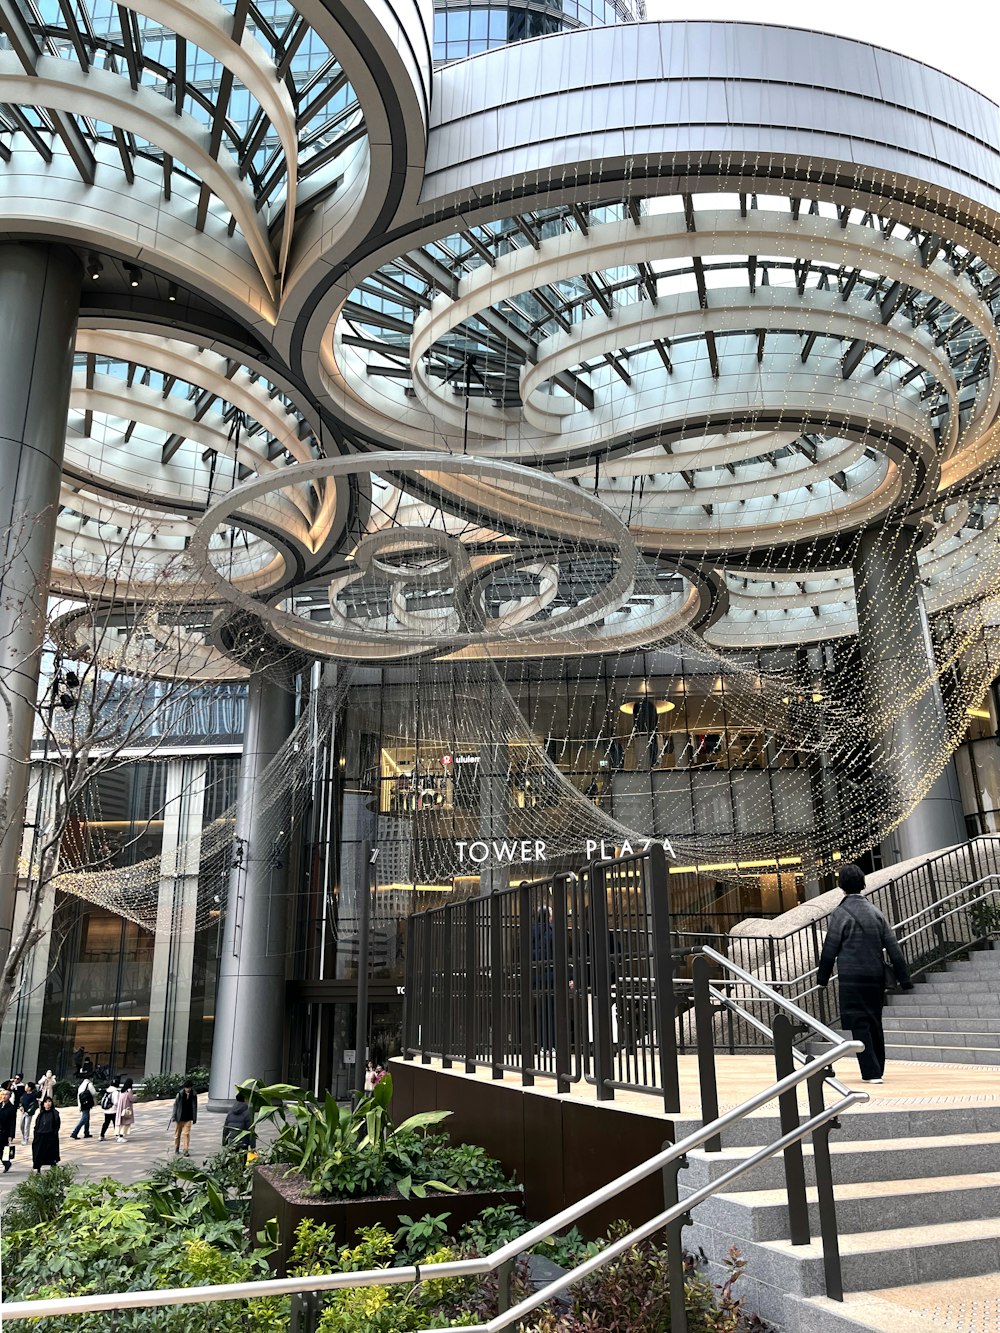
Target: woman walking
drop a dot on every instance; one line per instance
(125, 1111)
(855, 941)
(45, 1144)
(29, 1105)
(109, 1105)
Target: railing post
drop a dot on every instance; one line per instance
(409, 988)
(496, 987)
(675, 1250)
(447, 963)
(788, 1110)
(663, 977)
(304, 1312)
(601, 984)
(526, 975)
(824, 1189)
(471, 972)
(560, 982)
(705, 1035)
(505, 1281)
(426, 991)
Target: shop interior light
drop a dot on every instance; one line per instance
(662, 706)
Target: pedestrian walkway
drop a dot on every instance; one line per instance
(151, 1141)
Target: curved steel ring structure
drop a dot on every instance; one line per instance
(670, 261)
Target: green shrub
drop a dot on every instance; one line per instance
(155, 1087)
(38, 1198)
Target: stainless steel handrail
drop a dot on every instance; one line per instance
(956, 893)
(505, 1253)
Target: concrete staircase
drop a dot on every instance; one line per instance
(952, 1016)
(918, 1201)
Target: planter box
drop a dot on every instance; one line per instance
(276, 1196)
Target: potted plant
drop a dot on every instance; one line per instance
(352, 1168)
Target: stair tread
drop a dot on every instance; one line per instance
(898, 1238)
(869, 1189)
(974, 1139)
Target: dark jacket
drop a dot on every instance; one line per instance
(857, 935)
(8, 1123)
(45, 1142)
(184, 1112)
(237, 1125)
(29, 1102)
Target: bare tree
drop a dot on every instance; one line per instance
(128, 644)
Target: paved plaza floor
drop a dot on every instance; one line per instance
(151, 1141)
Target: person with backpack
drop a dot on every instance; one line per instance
(109, 1104)
(28, 1107)
(86, 1099)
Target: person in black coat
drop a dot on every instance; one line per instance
(857, 935)
(237, 1126)
(8, 1127)
(45, 1144)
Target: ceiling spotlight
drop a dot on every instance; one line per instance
(134, 275)
(94, 268)
(172, 291)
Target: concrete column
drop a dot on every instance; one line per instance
(897, 658)
(39, 307)
(250, 1007)
(176, 918)
(21, 1033)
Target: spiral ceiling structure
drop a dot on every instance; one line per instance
(573, 346)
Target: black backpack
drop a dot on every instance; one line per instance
(86, 1099)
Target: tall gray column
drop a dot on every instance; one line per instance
(897, 657)
(250, 1008)
(39, 307)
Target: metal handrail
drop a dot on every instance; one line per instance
(957, 893)
(505, 1254)
(793, 1010)
(933, 914)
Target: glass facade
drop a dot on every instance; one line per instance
(462, 30)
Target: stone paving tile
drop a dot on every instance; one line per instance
(965, 1305)
(151, 1140)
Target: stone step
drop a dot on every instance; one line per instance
(898, 1020)
(952, 1055)
(869, 1260)
(856, 1161)
(865, 1123)
(860, 1312)
(960, 977)
(868, 1206)
(988, 1009)
(952, 1037)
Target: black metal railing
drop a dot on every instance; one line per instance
(569, 978)
(576, 978)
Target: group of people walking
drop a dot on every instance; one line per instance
(28, 1111)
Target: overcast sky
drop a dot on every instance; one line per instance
(961, 40)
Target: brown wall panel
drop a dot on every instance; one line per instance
(559, 1148)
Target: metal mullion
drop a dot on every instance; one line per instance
(304, 114)
(132, 57)
(287, 45)
(23, 41)
(75, 35)
(335, 149)
(256, 130)
(319, 75)
(25, 126)
(125, 154)
(180, 73)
